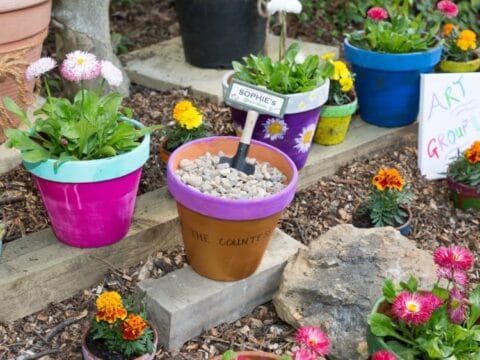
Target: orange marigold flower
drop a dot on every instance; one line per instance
(110, 307)
(388, 178)
(132, 327)
(447, 29)
(473, 153)
(467, 39)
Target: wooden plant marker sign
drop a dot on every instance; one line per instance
(449, 119)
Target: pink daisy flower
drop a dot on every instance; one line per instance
(304, 354)
(456, 306)
(377, 13)
(434, 301)
(412, 308)
(453, 257)
(383, 355)
(460, 277)
(448, 8)
(80, 65)
(39, 67)
(111, 73)
(314, 338)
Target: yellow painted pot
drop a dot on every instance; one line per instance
(334, 123)
(459, 66)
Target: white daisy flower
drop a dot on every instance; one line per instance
(39, 67)
(289, 6)
(111, 73)
(80, 65)
(304, 139)
(274, 129)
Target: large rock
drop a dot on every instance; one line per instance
(334, 283)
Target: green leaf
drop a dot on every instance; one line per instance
(389, 291)
(229, 355)
(474, 299)
(381, 325)
(404, 352)
(11, 106)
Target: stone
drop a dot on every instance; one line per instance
(335, 282)
(182, 304)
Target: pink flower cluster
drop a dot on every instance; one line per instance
(383, 355)
(377, 13)
(314, 343)
(448, 8)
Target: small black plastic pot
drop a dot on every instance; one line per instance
(217, 32)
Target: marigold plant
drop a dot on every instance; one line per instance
(440, 323)
(188, 125)
(120, 326)
(341, 82)
(466, 168)
(388, 200)
(460, 45)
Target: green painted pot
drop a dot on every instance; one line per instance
(459, 66)
(463, 196)
(334, 123)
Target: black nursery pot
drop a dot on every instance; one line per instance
(216, 32)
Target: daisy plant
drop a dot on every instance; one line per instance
(460, 45)
(120, 327)
(394, 29)
(312, 342)
(440, 323)
(188, 126)
(91, 126)
(341, 82)
(466, 168)
(389, 198)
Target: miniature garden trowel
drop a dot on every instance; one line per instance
(239, 160)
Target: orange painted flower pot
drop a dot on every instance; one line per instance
(253, 355)
(225, 239)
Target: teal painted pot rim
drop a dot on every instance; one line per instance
(89, 171)
(339, 110)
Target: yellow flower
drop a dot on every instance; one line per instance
(447, 29)
(132, 327)
(328, 56)
(473, 153)
(110, 307)
(187, 115)
(467, 39)
(346, 84)
(340, 71)
(388, 178)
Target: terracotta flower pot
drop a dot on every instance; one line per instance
(459, 66)
(225, 239)
(334, 123)
(163, 152)
(24, 28)
(464, 196)
(88, 355)
(253, 355)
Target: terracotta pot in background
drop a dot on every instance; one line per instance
(253, 355)
(24, 28)
(225, 239)
(163, 152)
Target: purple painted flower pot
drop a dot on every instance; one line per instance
(90, 203)
(295, 132)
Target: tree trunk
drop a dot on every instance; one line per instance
(85, 25)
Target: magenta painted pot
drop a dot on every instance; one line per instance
(294, 133)
(90, 203)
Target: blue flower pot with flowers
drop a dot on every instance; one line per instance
(389, 56)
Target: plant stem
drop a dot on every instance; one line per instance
(49, 94)
(83, 95)
(282, 15)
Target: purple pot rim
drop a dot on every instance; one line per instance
(227, 209)
(461, 188)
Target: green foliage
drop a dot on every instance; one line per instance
(177, 135)
(90, 127)
(229, 355)
(462, 171)
(452, 52)
(284, 76)
(387, 208)
(122, 43)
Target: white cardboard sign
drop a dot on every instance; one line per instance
(449, 119)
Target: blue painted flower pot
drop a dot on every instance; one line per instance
(388, 85)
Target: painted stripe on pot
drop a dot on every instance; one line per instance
(228, 209)
(339, 110)
(88, 171)
(297, 103)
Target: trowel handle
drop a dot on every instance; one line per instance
(252, 117)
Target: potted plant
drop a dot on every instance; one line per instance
(440, 323)
(227, 217)
(305, 84)
(188, 126)
(388, 57)
(387, 204)
(85, 155)
(312, 342)
(337, 113)
(119, 330)
(459, 50)
(24, 27)
(214, 33)
(463, 178)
